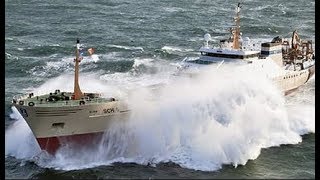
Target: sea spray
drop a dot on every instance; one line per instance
(222, 116)
(19, 139)
(206, 122)
(301, 105)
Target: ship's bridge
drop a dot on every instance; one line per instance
(229, 53)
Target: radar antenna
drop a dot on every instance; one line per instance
(207, 38)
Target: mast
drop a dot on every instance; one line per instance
(295, 40)
(236, 31)
(77, 92)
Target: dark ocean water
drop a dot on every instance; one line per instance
(137, 43)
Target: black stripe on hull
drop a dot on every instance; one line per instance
(290, 91)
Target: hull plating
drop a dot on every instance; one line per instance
(55, 126)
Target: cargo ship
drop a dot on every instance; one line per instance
(289, 63)
(62, 118)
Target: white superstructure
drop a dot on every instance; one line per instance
(289, 63)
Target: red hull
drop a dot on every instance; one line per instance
(52, 144)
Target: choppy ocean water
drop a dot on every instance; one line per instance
(137, 43)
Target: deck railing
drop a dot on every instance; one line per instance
(25, 100)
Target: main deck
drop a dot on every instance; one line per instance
(60, 99)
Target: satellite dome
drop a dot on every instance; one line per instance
(207, 37)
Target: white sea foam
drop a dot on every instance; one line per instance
(95, 57)
(85, 60)
(114, 56)
(65, 64)
(223, 116)
(127, 47)
(144, 61)
(172, 49)
(19, 140)
(8, 55)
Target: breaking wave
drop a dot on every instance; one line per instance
(222, 116)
